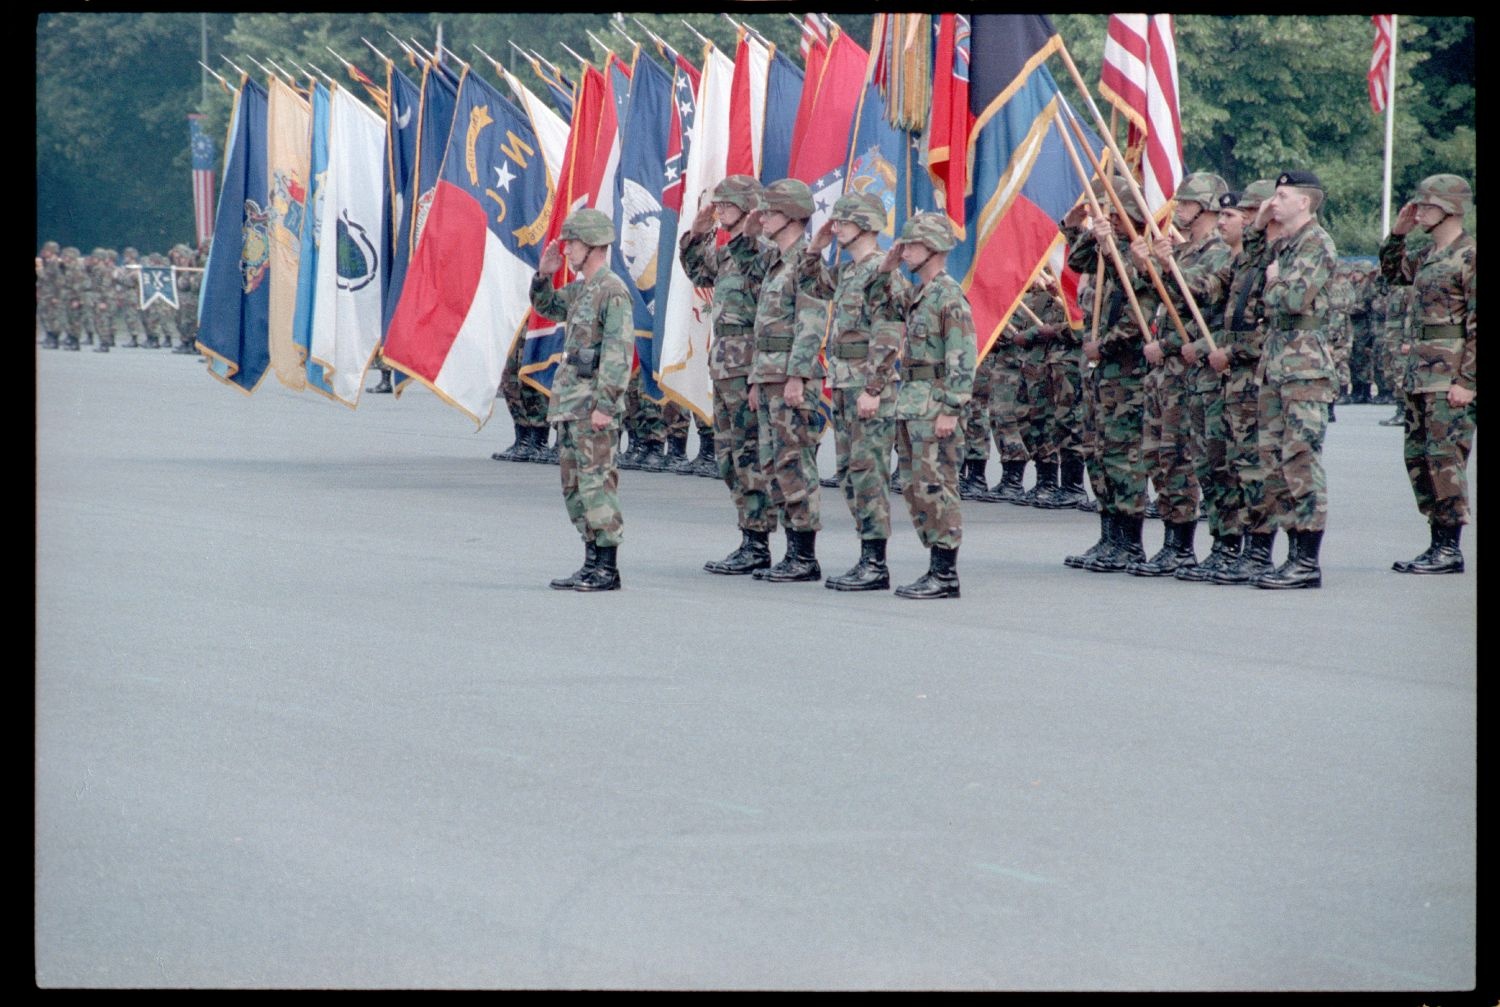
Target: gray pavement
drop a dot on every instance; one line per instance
(307, 715)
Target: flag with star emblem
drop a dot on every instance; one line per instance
(202, 149)
(401, 129)
(680, 115)
(467, 291)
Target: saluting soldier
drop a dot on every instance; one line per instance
(937, 376)
(1443, 376)
(1298, 377)
(588, 390)
(735, 272)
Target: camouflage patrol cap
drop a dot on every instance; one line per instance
(51, 246)
(930, 229)
(790, 197)
(1256, 193)
(861, 209)
(70, 253)
(1127, 199)
(1203, 188)
(1449, 193)
(742, 191)
(131, 252)
(591, 227)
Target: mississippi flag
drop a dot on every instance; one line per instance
(203, 178)
(1139, 78)
(467, 291)
(1379, 76)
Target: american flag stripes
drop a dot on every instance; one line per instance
(1139, 78)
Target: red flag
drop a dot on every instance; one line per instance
(815, 55)
(824, 132)
(1139, 77)
(952, 119)
(1380, 60)
(746, 118)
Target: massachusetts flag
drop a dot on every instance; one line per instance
(202, 149)
(468, 289)
(234, 307)
(347, 301)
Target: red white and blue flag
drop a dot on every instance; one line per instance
(1379, 76)
(203, 178)
(1139, 77)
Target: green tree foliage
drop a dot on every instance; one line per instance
(1259, 93)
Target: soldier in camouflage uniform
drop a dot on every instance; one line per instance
(784, 378)
(1396, 344)
(973, 482)
(527, 407)
(588, 389)
(735, 272)
(937, 377)
(75, 283)
(1054, 382)
(1340, 333)
(1116, 393)
(1443, 372)
(863, 346)
(1297, 376)
(50, 305)
(100, 266)
(1362, 352)
(189, 280)
(161, 317)
(1010, 406)
(1242, 507)
(127, 321)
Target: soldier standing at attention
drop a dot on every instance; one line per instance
(75, 281)
(588, 390)
(862, 352)
(50, 294)
(937, 375)
(527, 408)
(125, 293)
(1050, 390)
(1297, 376)
(785, 362)
(189, 280)
(161, 317)
(101, 267)
(1440, 410)
(735, 272)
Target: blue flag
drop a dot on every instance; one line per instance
(307, 262)
(783, 95)
(439, 95)
(235, 307)
(403, 109)
(644, 130)
(679, 140)
(158, 283)
(886, 162)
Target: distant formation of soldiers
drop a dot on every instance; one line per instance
(99, 300)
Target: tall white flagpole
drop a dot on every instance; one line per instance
(1390, 130)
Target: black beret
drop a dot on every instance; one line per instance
(1299, 179)
(1229, 200)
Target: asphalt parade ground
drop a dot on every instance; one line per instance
(307, 715)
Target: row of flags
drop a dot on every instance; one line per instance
(344, 234)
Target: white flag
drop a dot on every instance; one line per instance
(347, 305)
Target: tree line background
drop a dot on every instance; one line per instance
(1260, 94)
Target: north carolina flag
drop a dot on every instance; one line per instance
(347, 304)
(307, 261)
(551, 129)
(289, 124)
(439, 93)
(1021, 181)
(468, 289)
(234, 307)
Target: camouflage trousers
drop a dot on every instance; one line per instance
(862, 452)
(789, 454)
(590, 480)
(527, 406)
(976, 415)
(737, 449)
(1293, 420)
(83, 318)
(187, 318)
(127, 322)
(1340, 347)
(102, 322)
(675, 420)
(1117, 465)
(1010, 413)
(1362, 369)
(1167, 442)
(1056, 391)
(1210, 453)
(929, 478)
(161, 324)
(644, 419)
(54, 315)
(1438, 439)
(1242, 506)
(1390, 361)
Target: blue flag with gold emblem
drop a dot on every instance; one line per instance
(638, 212)
(235, 305)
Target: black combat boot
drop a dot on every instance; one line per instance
(1107, 537)
(706, 464)
(652, 458)
(1045, 488)
(1010, 488)
(543, 453)
(1151, 514)
(940, 580)
(1446, 557)
(590, 560)
(869, 574)
(1405, 565)
(384, 387)
(49, 341)
(896, 484)
(1176, 551)
(1225, 551)
(1126, 549)
(676, 455)
(520, 449)
(134, 344)
(829, 481)
(1397, 419)
(1070, 491)
(971, 481)
(630, 457)
(605, 576)
(1254, 561)
(103, 347)
(754, 553)
(1301, 569)
(70, 342)
(1332, 418)
(801, 561)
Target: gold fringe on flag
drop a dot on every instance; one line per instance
(905, 69)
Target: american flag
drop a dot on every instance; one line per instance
(203, 178)
(813, 30)
(1380, 60)
(1140, 79)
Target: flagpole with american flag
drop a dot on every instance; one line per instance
(1382, 83)
(203, 178)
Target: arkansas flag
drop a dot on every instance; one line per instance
(468, 289)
